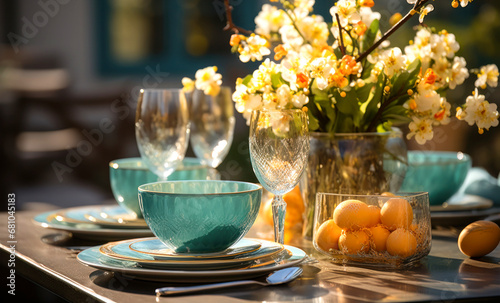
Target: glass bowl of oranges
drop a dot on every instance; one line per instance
(384, 230)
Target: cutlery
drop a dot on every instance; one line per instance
(278, 277)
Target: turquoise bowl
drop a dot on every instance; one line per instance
(437, 172)
(200, 216)
(127, 174)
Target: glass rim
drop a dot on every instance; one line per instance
(118, 164)
(464, 156)
(143, 188)
(395, 131)
(401, 195)
(160, 89)
(265, 110)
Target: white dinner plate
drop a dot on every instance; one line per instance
(92, 257)
(467, 202)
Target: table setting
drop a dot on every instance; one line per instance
(337, 190)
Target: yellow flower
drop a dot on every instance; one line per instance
(208, 80)
(188, 84)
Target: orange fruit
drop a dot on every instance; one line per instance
(354, 242)
(374, 217)
(401, 242)
(328, 235)
(379, 236)
(352, 214)
(396, 213)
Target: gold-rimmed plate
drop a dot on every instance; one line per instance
(115, 216)
(105, 216)
(92, 257)
(159, 251)
(268, 252)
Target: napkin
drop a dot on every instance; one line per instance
(479, 183)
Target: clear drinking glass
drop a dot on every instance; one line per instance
(279, 148)
(162, 129)
(212, 125)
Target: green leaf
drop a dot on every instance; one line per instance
(373, 102)
(313, 122)
(349, 104)
(363, 93)
(407, 79)
(347, 125)
(370, 35)
(395, 110)
(277, 81)
(246, 80)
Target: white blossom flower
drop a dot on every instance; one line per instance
(421, 129)
(393, 60)
(488, 74)
(292, 65)
(290, 36)
(188, 84)
(299, 100)
(458, 72)
(464, 3)
(245, 102)
(208, 80)
(347, 11)
(479, 111)
(304, 4)
(368, 16)
(254, 49)
(427, 101)
(314, 29)
(284, 95)
(426, 10)
(451, 45)
(269, 20)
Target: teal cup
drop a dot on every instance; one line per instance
(200, 216)
(439, 173)
(127, 174)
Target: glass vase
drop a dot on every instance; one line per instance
(352, 163)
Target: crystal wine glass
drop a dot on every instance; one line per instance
(279, 148)
(162, 129)
(212, 125)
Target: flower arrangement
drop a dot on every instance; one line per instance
(346, 75)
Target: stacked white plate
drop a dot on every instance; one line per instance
(95, 222)
(149, 259)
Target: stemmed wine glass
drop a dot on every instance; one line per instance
(162, 129)
(279, 148)
(212, 125)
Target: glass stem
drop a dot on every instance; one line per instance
(279, 212)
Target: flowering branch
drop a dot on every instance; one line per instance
(416, 7)
(342, 47)
(295, 25)
(230, 24)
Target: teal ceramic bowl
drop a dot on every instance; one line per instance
(127, 174)
(439, 173)
(200, 216)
